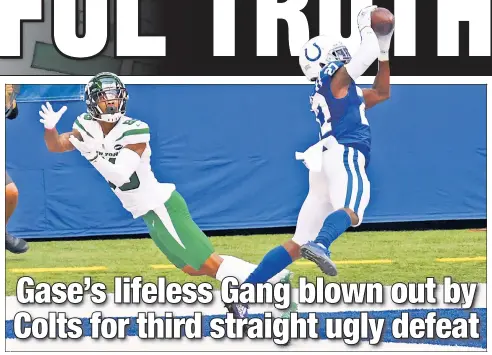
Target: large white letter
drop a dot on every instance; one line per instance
(65, 23)
(450, 13)
(269, 12)
(224, 28)
(330, 20)
(128, 42)
(405, 28)
(12, 14)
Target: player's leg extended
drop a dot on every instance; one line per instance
(188, 248)
(176, 234)
(349, 191)
(313, 212)
(12, 244)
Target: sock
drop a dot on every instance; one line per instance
(240, 269)
(273, 262)
(335, 225)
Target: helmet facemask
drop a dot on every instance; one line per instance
(106, 100)
(338, 53)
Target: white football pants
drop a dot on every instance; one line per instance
(341, 183)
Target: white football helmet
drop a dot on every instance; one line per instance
(318, 52)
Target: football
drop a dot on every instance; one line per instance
(383, 21)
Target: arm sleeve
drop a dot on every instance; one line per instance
(365, 56)
(120, 172)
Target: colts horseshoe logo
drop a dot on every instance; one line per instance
(317, 57)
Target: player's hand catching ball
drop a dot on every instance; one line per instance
(49, 117)
(383, 24)
(87, 146)
(364, 17)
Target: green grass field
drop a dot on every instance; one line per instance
(395, 257)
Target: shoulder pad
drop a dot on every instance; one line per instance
(133, 132)
(81, 122)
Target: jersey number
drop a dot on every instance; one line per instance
(331, 69)
(133, 184)
(320, 104)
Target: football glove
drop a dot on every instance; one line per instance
(87, 147)
(364, 17)
(49, 117)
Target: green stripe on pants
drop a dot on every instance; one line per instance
(176, 234)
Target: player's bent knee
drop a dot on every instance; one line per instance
(354, 219)
(293, 249)
(191, 271)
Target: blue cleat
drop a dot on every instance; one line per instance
(240, 311)
(320, 256)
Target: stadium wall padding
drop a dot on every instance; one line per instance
(230, 149)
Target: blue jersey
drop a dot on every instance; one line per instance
(345, 118)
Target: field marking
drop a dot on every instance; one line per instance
(461, 260)
(302, 263)
(350, 262)
(299, 263)
(58, 269)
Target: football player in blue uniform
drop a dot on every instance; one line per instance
(339, 188)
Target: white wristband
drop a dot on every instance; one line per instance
(384, 57)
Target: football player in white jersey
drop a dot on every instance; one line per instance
(118, 147)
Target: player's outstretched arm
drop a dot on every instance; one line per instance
(55, 142)
(118, 172)
(362, 60)
(59, 143)
(381, 89)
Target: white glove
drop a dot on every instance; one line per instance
(364, 17)
(49, 117)
(384, 46)
(87, 147)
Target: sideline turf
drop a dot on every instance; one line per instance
(413, 253)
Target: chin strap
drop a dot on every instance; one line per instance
(111, 118)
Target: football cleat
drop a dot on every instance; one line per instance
(320, 256)
(15, 245)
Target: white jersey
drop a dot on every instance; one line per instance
(143, 192)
